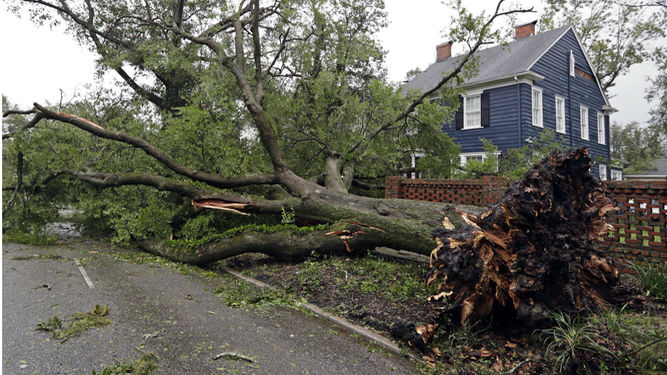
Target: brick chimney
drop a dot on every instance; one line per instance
(524, 30)
(443, 51)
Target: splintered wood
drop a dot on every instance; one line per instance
(533, 251)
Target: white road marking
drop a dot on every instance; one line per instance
(84, 274)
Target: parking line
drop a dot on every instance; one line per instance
(84, 274)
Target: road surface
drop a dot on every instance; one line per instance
(155, 309)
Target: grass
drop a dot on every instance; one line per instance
(370, 274)
(572, 342)
(138, 257)
(653, 278)
(39, 257)
(238, 293)
(146, 365)
(612, 342)
(38, 239)
(80, 323)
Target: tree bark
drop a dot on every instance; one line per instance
(332, 176)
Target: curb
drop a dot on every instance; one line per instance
(339, 321)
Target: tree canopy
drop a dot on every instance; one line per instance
(635, 147)
(227, 101)
(616, 34)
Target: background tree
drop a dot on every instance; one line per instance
(616, 34)
(635, 147)
(658, 94)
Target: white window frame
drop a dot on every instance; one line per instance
(537, 108)
(413, 164)
(465, 111)
(583, 121)
(616, 175)
(602, 172)
(571, 63)
(465, 155)
(602, 134)
(560, 122)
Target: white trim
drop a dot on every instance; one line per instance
(413, 164)
(581, 46)
(581, 124)
(571, 63)
(540, 120)
(602, 168)
(463, 156)
(524, 77)
(618, 173)
(601, 140)
(502, 82)
(556, 113)
(465, 110)
(474, 92)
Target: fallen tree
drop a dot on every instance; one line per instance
(248, 68)
(533, 251)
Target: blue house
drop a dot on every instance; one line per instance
(536, 82)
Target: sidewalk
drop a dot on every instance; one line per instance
(156, 309)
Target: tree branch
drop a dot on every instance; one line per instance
(257, 51)
(159, 155)
(360, 147)
(29, 125)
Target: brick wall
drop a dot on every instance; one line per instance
(640, 225)
(476, 192)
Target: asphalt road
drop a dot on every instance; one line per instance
(155, 309)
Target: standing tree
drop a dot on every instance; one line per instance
(658, 93)
(636, 147)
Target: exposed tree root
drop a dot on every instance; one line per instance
(533, 251)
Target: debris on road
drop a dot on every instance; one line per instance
(233, 356)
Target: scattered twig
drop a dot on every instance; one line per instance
(511, 371)
(233, 356)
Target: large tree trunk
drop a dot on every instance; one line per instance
(355, 224)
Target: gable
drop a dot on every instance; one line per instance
(556, 59)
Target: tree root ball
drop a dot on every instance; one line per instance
(534, 250)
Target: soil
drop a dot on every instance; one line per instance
(477, 350)
(394, 314)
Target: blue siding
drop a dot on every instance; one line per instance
(503, 129)
(511, 106)
(577, 91)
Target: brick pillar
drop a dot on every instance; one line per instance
(391, 186)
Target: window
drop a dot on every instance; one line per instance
(571, 63)
(583, 118)
(537, 107)
(560, 115)
(603, 172)
(478, 156)
(616, 175)
(601, 131)
(465, 158)
(473, 112)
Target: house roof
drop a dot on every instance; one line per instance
(659, 170)
(514, 58)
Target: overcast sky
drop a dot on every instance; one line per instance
(37, 63)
